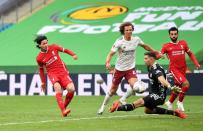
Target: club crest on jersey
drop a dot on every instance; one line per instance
(123, 47)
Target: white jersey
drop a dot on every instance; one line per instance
(126, 52)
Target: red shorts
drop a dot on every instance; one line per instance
(179, 76)
(63, 78)
(118, 75)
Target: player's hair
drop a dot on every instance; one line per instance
(38, 39)
(122, 27)
(150, 54)
(173, 29)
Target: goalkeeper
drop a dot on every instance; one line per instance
(157, 96)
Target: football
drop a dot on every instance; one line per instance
(140, 87)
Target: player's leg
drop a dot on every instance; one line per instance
(59, 98)
(181, 80)
(68, 84)
(131, 77)
(107, 98)
(130, 91)
(184, 87)
(127, 107)
(117, 77)
(151, 100)
(162, 111)
(172, 98)
(173, 95)
(70, 94)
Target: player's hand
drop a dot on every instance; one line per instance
(111, 71)
(176, 89)
(162, 56)
(159, 55)
(198, 67)
(75, 57)
(108, 66)
(43, 87)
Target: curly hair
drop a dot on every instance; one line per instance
(122, 27)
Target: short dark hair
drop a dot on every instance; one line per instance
(38, 39)
(173, 29)
(150, 54)
(122, 27)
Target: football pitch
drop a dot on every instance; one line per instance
(40, 113)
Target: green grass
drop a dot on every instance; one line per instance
(36, 109)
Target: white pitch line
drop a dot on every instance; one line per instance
(83, 118)
(74, 119)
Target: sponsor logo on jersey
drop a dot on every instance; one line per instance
(50, 61)
(180, 52)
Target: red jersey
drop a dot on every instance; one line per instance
(52, 61)
(176, 54)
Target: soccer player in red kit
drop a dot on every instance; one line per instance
(58, 74)
(175, 51)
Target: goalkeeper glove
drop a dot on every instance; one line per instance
(175, 88)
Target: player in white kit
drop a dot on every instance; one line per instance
(125, 64)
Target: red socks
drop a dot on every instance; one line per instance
(182, 94)
(69, 97)
(59, 100)
(173, 97)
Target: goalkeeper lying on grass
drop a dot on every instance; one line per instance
(157, 95)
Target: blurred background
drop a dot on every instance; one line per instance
(90, 28)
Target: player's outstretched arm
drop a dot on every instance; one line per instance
(161, 53)
(193, 58)
(147, 47)
(165, 83)
(67, 51)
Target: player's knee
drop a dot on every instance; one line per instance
(147, 111)
(132, 82)
(71, 87)
(112, 92)
(57, 87)
(141, 102)
(186, 84)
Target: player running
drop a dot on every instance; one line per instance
(58, 74)
(175, 51)
(157, 95)
(125, 65)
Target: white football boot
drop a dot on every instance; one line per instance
(180, 106)
(122, 101)
(169, 105)
(101, 110)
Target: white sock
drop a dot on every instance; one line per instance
(127, 94)
(106, 99)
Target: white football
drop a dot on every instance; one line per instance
(140, 87)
